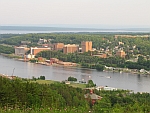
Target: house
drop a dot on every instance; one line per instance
(92, 96)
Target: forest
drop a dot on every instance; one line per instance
(22, 96)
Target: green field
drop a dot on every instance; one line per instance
(45, 81)
(51, 82)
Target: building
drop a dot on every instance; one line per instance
(103, 55)
(29, 56)
(70, 48)
(35, 50)
(86, 46)
(58, 46)
(25, 42)
(121, 53)
(41, 41)
(92, 96)
(21, 50)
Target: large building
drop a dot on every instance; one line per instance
(35, 50)
(21, 50)
(86, 46)
(121, 53)
(70, 48)
(58, 46)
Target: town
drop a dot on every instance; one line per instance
(106, 50)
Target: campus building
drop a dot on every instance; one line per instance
(70, 48)
(21, 50)
(86, 46)
(35, 50)
(58, 46)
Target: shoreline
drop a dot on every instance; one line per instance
(118, 70)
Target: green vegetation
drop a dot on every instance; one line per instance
(6, 49)
(44, 81)
(90, 84)
(72, 79)
(17, 96)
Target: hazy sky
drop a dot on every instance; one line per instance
(84, 12)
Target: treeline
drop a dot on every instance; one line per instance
(25, 96)
(6, 49)
(122, 102)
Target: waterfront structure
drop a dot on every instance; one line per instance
(58, 46)
(21, 50)
(70, 48)
(35, 50)
(121, 53)
(86, 46)
(30, 56)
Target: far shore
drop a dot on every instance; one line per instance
(132, 71)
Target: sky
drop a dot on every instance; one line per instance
(133, 13)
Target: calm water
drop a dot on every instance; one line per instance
(138, 83)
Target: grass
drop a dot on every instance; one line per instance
(45, 81)
(76, 85)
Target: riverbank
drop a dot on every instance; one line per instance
(107, 69)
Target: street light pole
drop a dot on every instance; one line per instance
(13, 71)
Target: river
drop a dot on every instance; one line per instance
(137, 83)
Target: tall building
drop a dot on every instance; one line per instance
(70, 48)
(35, 50)
(58, 46)
(121, 53)
(21, 50)
(86, 46)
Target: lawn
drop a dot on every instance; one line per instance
(45, 81)
(51, 82)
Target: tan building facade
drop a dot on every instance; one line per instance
(70, 48)
(21, 50)
(121, 53)
(35, 50)
(58, 46)
(86, 46)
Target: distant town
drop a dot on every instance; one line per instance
(119, 50)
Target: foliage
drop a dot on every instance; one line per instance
(90, 84)
(6, 49)
(72, 79)
(18, 96)
(23, 95)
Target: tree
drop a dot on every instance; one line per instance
(90, 83)
(42, 77)
(72, 79)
